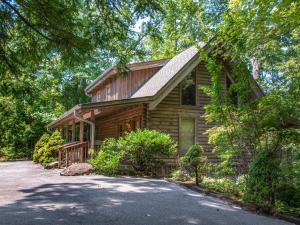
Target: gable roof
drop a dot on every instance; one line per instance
(133, 66)
(162, 81)
(166, 73)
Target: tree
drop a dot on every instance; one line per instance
(194, 161)
(181, 24)
(50, 150)
(39, 147)
(47, 57)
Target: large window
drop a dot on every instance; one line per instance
(188, 89)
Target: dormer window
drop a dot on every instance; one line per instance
(188, 89)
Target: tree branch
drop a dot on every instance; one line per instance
(25, 20)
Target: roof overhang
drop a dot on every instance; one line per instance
(87, 107)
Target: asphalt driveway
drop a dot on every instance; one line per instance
(30, 195)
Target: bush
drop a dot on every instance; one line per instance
(141, 149)
(107, 161)
(50, 150)
(262, 180)
(289, 195)
(38, 148)
(194, 162)
(181, 175)
(144, 148)
(223, 185)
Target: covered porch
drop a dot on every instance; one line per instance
(86, 126)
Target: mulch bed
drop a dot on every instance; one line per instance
(232, 201)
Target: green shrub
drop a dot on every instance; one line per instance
(38, 148)
(144, 148)
(141, 149)
(262, 180)
(50, 151)
(181, 175)
(194, 162)
(223, 185)
(107, 161)
(289, 195)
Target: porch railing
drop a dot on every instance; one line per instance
(74, 152)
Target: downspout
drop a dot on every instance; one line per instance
(92, 125)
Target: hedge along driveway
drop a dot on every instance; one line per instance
(31, 195)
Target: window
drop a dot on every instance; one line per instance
(129, 125)
(86, 132)
(186, 134)
(231, 93)
(188, 89)
(69, 130)
(98, 96)
(107, 92)
(77, 131)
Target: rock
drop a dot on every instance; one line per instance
(77, 169)
(52, 165)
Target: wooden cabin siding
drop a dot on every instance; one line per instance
(123, 86)
(166, 116)
(107, 126)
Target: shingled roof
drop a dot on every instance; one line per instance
(165, 74)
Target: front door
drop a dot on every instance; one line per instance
(186, 134)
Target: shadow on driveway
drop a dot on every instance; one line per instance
(109, 200)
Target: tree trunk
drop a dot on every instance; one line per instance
(196, 173)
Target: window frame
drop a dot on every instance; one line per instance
(196, 92)
(227, 87)
(108, 92)
(187, 116)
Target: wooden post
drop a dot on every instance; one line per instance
(59, 158)
(81, 157)
(73, 130)
(81, 131)
(91, 132)
(67, 134)
(67, 158)
(61, 128)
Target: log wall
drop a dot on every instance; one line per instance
(166, 116)
(107, 126)
(123, 86)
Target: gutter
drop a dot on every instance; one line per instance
(92, 125)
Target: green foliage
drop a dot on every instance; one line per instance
(224, 185)
(141, 149)
(194, 162)
(144, 148)
(50, 150)
(39, 147)
(263, 180)
(177, 26)
(47, 59)
(181, 175)
(107, 161)
(269, 184)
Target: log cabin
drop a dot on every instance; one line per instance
(160, 95)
